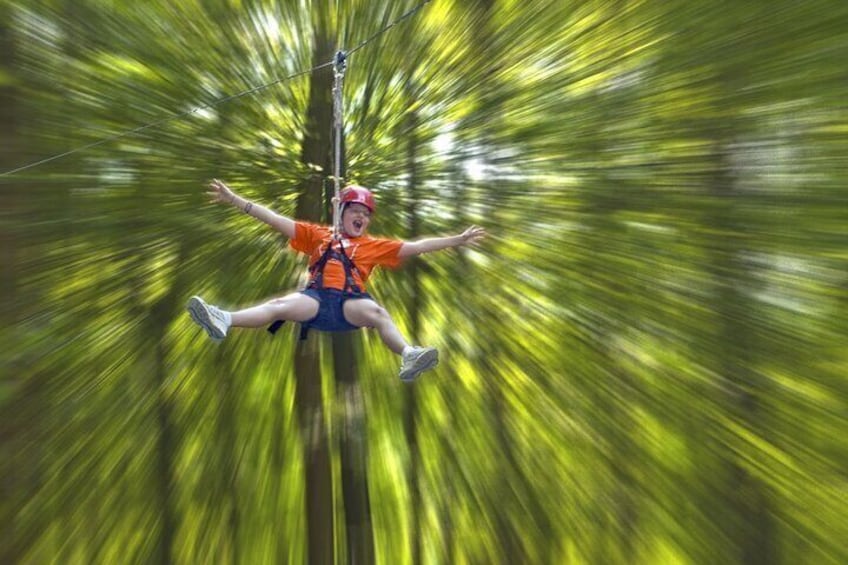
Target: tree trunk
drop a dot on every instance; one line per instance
(354, 443)
(750, 527)
(317, 151)
(308, 392)
(354, 452)
(10, 156)
(16, 474)
(228, 446)
(316, 452)
(157, 320)
(165, 456)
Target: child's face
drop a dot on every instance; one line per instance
(355, 219)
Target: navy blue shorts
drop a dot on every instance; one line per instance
(330, 316)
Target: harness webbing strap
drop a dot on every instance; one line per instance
(317, 269)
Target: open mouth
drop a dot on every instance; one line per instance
(357, 224)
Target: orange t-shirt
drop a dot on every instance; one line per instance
(366, 252)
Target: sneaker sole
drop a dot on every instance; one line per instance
(200, 315)
(427, 361)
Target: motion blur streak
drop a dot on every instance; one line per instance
(645, 362)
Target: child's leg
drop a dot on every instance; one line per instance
(362, 312)
(365, 313)
(295, 307)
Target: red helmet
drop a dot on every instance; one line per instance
(359, 195)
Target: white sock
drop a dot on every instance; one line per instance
(406, 350)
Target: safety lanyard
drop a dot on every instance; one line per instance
(339, 67)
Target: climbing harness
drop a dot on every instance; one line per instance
(316, 271)
(330, 316)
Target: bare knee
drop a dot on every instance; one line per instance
(297, 308)
(278, 306)
(366, 315)
(377, 314)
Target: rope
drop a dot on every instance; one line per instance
(338, 71)
(212, 104)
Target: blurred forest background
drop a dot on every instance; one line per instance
(645, 362)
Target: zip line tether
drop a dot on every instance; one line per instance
(339, 68)
(214, 103)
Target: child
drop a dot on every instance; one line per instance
(335, 298)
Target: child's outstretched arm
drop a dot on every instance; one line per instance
(220, 192)
(468, 237)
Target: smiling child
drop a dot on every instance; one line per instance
(339, 266)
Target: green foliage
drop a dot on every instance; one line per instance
(644, 363)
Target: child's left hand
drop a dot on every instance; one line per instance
(473, 235)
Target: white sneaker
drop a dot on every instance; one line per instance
(215, 321)
(417, 360)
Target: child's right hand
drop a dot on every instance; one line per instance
(472, 235)
(220, 192)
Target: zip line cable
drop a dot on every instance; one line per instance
(162, 121)
(408, 14)
(217, 102)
